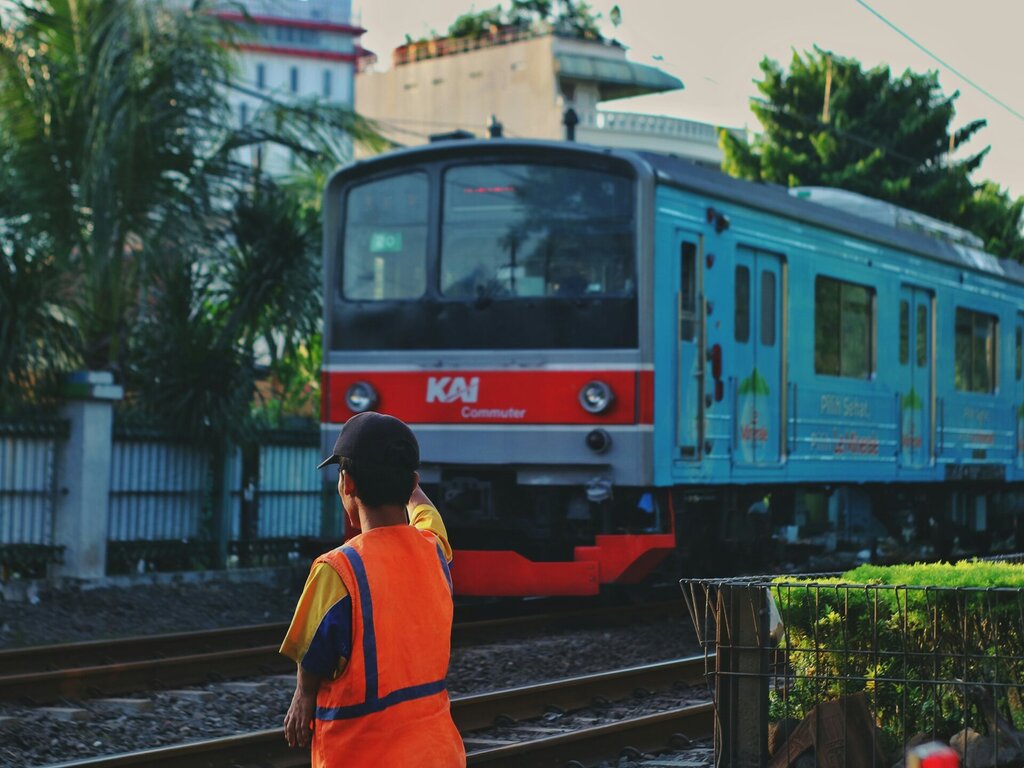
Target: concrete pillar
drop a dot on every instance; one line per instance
(84, 475)
(741, 676)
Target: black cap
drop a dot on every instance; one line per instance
(376, 439)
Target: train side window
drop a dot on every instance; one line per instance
(742, 289)
(904, 332)
(844, 329)
(922, 336)
(975, 351)
(688, 292)
(768, 308)
(1019, 355)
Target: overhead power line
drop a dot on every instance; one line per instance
(944, 63)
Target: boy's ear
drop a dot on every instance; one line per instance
(349, 484)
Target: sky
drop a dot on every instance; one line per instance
(714, 47)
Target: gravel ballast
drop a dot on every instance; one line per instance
(44, 616)
(34, 737)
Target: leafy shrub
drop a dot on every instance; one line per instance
(935, 646)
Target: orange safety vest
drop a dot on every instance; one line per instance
(389, 706)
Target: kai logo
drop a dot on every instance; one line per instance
(448, 389)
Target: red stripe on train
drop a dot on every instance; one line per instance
(493, 397)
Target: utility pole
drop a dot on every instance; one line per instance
(828, 88)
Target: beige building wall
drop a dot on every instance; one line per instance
(515, 82)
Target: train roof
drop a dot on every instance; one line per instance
(684, 174)
(776, 199)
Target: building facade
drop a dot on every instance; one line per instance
(292, 50)
(527, 80)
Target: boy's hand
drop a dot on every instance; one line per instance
(418, 497)
(298, 722)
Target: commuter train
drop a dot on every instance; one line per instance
(613, 357)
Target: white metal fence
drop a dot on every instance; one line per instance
(157, 488)
(28, 480)
(161, 492)
(285, 496)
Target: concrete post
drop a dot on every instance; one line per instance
(221, 467)
(84, 475)
(741, 677)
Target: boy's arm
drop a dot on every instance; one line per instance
(424, 516)
(298, 723)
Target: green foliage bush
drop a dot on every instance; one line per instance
(927, 643)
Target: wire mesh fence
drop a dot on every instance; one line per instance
(817, 671)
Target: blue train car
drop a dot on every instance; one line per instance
(827, 349)
(611, 356)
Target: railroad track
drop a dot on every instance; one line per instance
(514, 708)
(44, 674)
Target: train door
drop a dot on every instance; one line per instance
(1018, 387)
(757, 335)
(915, 375)
(690, 417)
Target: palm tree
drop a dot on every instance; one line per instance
(119, 166)
(38, 338)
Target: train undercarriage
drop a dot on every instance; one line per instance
(520, 540)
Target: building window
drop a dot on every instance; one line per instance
(327, 83)
(261, 76)
(243, 114)
(975, 351)
(293, 76)
(844, 329)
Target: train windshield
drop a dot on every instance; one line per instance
(535, 231)
(502, 255)
(386, 239)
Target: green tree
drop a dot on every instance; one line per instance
(104, 109)
(123, 200)
(577, 18)
(477, 23)
(569, 17)
(992, 214)
(881, 136)
(256, 295)
(38, 339)
(829, 122)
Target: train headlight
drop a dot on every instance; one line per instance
(361, 397)
(596, 397)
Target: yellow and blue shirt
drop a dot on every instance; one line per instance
(320, 635)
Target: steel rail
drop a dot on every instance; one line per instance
(471, 713)
(84, 670)
(649, 733)
(132, 676)
(479, 711)
(92, 653)
(143, 647)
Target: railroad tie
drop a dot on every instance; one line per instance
(192, 694)
(67, 714)
(125, 706)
